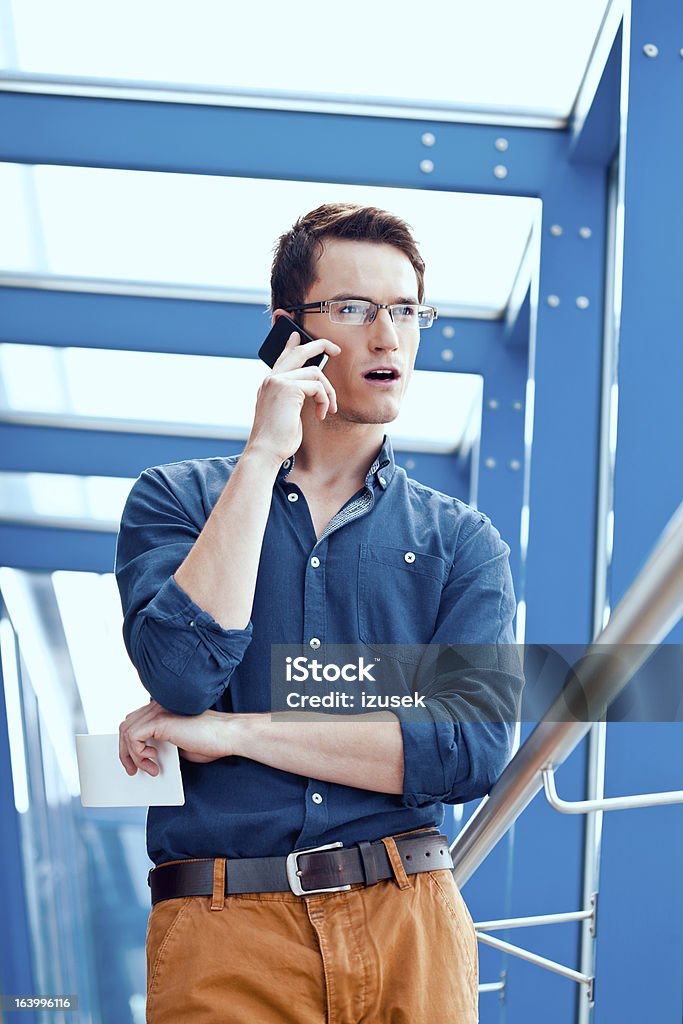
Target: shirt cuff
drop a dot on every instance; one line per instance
(173, 604)
(431, 757)
(178, 632)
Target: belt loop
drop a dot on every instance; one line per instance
(218, 899)
(368, 862)
(396, 863)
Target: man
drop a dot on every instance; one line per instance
(313, 536)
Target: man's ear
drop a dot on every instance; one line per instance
(277, 313)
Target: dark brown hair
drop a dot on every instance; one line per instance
(298, 250)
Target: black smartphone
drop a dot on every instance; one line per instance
(277, 339)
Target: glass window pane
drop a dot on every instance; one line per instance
(527, 55)
(211, 231)
(219, 395)
(63, 499)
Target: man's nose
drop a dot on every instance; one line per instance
(383, 333)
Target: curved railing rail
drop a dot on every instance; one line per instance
(646, 614)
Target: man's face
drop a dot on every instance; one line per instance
(366, 270)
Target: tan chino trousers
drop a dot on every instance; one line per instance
(403, 951)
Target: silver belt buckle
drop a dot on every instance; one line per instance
(293, 872)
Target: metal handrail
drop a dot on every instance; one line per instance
(608, 803)
(645, 615)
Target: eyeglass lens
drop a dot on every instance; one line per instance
(361, 311)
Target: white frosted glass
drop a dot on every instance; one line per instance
(524, 55)
(219, 232)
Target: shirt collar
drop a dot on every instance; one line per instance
(286, 468)
(384, 466)
(380, 473)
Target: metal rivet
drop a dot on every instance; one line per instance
(553, 301)
(490, 463)
(428, 138)
(448, 332)
(493, 403)
(650, 50)
(447, 355)
(582, 302)
(409, 557)
(515, 463)
(410, 463)
(556, 230)
(585, 232)
(426, 166)
(517, 406)
(502, 145)
(500, 171)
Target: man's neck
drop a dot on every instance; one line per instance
(337, 458)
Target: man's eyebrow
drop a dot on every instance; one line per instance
(366, 298)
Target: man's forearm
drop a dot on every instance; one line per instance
(365, 751)
(219, 573)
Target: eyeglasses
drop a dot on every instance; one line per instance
(362, 311)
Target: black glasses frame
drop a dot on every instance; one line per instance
(324, 307)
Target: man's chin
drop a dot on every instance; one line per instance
(386, 413)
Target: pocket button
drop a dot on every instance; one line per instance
(409, 556)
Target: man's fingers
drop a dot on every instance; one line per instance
(126, 760)
(144, 756)
(312, 373)
(134, 750)
(316, 390)
(295, 354)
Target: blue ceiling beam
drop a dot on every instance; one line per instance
(595, 123)
(48, 549)
(27, 448)
(34, 316)
(233, 141)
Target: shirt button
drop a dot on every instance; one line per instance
(314, 643)
(409, 556)
(191, 622)
(292, 496)
(382, 481)
(287, 463)
(315, 561)
(317, 798)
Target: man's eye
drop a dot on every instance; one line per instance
(407, 311)
(352, 308)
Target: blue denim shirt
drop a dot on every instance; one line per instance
(457, 590)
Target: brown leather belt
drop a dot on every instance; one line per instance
(330, 868)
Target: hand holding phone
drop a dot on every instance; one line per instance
(274, 345)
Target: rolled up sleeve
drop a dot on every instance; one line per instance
(184, 658)
(456, 746)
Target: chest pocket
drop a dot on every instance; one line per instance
(399, 592)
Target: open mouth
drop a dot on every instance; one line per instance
(381, 376)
